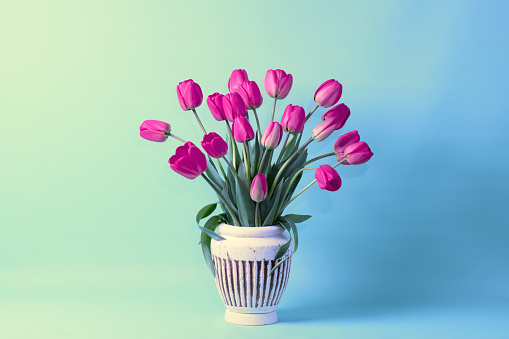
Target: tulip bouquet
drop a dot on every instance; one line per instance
(253, 182)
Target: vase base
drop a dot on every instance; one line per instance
(250, 318)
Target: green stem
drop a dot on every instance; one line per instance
(234, 145)
(246, 160)
(176, 137)
(258, 126)
(273, 110)
(231, 167)
(263, 159)
(311, 112)
(235, 219)
(308, 186)
(199, 121)
(257, 214)
(283, 149)
(281, 209)
(286, 164)
(320, 157)
(221, 168)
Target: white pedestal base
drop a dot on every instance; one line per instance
(250, 318)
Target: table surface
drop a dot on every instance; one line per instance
(192, 309)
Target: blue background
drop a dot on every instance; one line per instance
(96, 232)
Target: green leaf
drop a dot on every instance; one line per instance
(290, 148)
(297, 218)
(290, 226)
(211, 234)
(282, 250)
(214, 176)
(233, 150)
(274, 203)
(210, 226)
(205, 211)
(255, 155)
(245, 205)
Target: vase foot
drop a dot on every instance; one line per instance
(250, 318)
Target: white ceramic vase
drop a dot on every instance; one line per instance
(243, 262)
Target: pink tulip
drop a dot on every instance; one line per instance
(234, 106)
(238, 76)
(278, 83)
(339, 114)
(188, 161)
(259, 188)
(242, 130)
(214, 145)
(358, 153)
(155, 130)
(343, 141)
(250, 93)
(189, 94)
(215, 103)
(323, 129)
(328, 93)
(327, 178)
(272, 135)
(293, 119)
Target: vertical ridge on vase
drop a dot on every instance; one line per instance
(277, 283)
(243, 283)
(285, 281)
(229, 279)
(218, 279)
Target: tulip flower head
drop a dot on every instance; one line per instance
(329, 93)
(188, 161)
(293, 119)
(323, 129)
(238, 76)
(259, 188)
(242, 130)
(278, 83)
(214, 145)
(339, 114)
(189, 94)
(343, 141)
(155, 130)
(327, 178)
(358, 153)
(272, 135)
(215, 104)
(234, 106)
(250, 93)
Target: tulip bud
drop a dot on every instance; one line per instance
(293, 119)
(189, 94)
(328, 93)
(155, 130)
(358, 153)
(278, 83)
(188, 161)
(250, 93)
(242, 130)
(323, 129)
(339, 114)
(215, 103)
(343, 141)
(259, 188)
(233, 106)
(214, 145)
(238, 76)
(272, 135)
(327, 178)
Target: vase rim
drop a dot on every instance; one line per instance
(249, 232)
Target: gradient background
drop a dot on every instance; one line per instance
(97, 237)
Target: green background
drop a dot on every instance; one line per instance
(96, 232)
